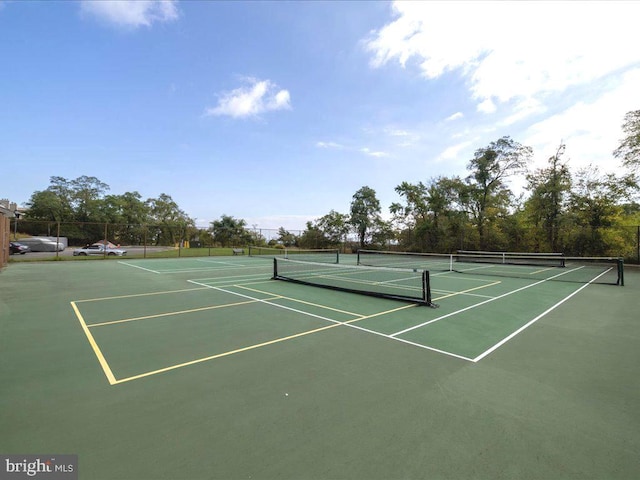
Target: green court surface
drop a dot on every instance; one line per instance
(206, 368)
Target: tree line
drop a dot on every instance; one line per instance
(583, 212)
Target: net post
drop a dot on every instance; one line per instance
(358, 258)
(621, 272)
(275, 269)
(426, 289)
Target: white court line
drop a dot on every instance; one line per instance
(263, 301)
(449, 293)
(189, 270)
(481, 303)
(527, 325)
(217, 262)
(346, 324)
(137, 266)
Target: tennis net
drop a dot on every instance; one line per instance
(392, 283)
(511, 258)
(605, 270)
(320, 255)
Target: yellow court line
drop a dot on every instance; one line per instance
(140, 295)
(468, 290)
(259, 345)
(179, 312)
(225, 354)
(96, 349)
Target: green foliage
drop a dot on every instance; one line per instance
(547, 203)
(83, 209)
(487, 195)
(286, 238)
(629, 149)
(313, 237)
(335, 227)
(230, 232)
(365, 214)
(583, 213)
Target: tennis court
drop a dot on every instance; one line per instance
(209, 368)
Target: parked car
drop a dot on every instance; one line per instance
(39, 244)
(99, 250)
(16, 247)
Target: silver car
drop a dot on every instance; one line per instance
(99, 250)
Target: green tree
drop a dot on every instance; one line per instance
(415, 206)
(335, 227)
(69, 200)
(313, 237)
(78, 200)
(433, 216)
(629, 149)
(168, 223)
(365, 214)
(230, 232)
(87, 195)
(286, 238)
(549, 188)
(47, 205)
(488, 196)
(128, 215)
(595, 204)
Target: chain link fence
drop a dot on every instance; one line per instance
(620, 241)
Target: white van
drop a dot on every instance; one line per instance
(38, 244)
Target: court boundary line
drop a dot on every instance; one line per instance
(475, 305)
(225, 266)
(348, 323)
(94, 345)
(245, 287)
(132, 295)
(334, 323)
(534, 320)
(111, 378)
(127, 264)
(168, 314)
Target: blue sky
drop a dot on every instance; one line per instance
(278, 112)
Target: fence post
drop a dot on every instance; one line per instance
(106, 233)
(57, 240)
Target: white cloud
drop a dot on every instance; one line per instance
(371, 153)
(511, 50)
(329, 145)
(487, 106)
(453, 152)
(282, 99)
(522, 110)
(258, 97)
(397, 132)
(365, 150)
(455, 116)
(132, 13)
(590, 130)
